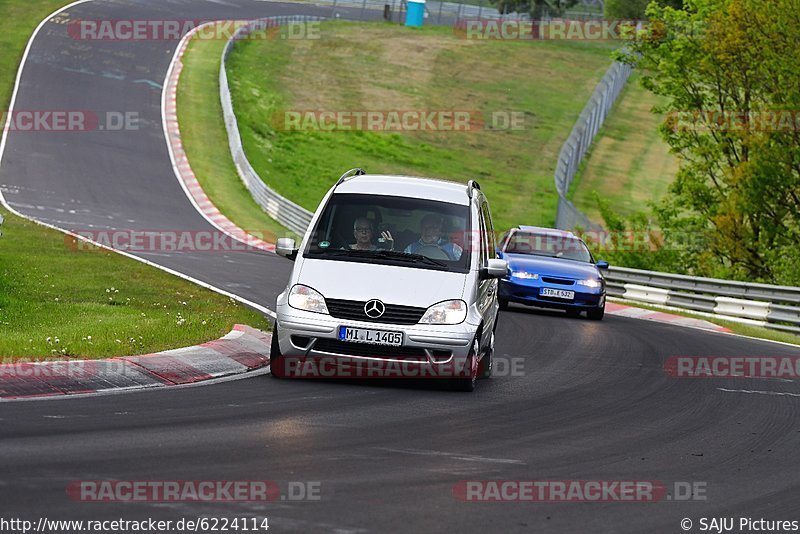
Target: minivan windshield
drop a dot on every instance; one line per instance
(391, 230)
(549, 245)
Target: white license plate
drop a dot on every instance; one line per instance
(367, 335)
(557, 293)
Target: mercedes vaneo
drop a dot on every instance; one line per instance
(397, 274)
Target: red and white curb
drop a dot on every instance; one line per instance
(613, 308)
(243, 349)
(183, 169)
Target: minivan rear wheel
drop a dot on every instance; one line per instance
(467, 383)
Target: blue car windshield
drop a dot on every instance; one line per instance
(548, 245)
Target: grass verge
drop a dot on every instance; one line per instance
(629, 164)
(381, 67)
(19, 19)
(205, 140)
(58, 301)
(58, 298)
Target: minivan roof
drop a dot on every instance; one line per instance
(406, 186)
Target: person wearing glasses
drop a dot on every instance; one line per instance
(364, 232)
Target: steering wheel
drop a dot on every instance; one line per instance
(435, 252)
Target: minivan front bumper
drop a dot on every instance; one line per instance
(309, 342)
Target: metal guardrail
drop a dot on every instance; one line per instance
(291, 215)
(580, 139)
(774, 307)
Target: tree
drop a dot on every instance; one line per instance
(537, 9)
(730, 70)
(633, 9)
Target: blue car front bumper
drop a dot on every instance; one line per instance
(528, 291)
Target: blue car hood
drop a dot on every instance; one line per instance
(551, 266)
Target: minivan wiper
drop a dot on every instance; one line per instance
(416, 258)
(387, 254)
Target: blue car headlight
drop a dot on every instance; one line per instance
(522, 275)
(590, 283)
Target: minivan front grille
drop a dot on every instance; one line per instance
(354, 310)
(346, 348)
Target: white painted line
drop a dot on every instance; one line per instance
(7, 206)
(758, 392)
(148, 388)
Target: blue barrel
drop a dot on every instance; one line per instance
(416, 13)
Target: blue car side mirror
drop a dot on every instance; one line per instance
(602, 264)
(499, 253)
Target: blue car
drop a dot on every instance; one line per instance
(551, 269)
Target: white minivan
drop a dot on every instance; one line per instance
(396, 276)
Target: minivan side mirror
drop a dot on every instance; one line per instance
(602, 264)
(496, 268)
(286, 247)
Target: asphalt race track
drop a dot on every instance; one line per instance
(590, 401)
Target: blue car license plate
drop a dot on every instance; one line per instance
(557, 293)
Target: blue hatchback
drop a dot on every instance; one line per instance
(551, 269)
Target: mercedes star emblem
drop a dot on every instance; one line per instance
(374, 308)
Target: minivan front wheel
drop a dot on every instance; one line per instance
(485, 365)
(467, 383)
(277, 363)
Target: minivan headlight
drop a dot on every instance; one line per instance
(447, 312)
(590, 283)
(307, 299)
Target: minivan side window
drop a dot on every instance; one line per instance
(490, 237)
(483, 240)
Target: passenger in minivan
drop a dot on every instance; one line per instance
(431, 241)
(364, 232)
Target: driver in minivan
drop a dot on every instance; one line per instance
(431, 242)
